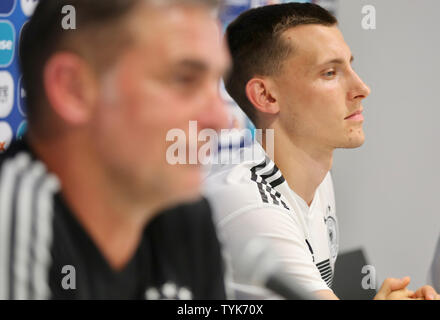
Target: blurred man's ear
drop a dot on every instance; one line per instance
(70, 87)
(261, 94)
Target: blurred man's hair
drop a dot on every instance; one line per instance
(258, 48)
(100, 35)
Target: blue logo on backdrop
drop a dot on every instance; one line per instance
(7, 40)
(21, 131)
(6, 7)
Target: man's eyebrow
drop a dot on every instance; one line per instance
(196, 65)
(200, 66)
(338, 61)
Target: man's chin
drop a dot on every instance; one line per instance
(353, 143)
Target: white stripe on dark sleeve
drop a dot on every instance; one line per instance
(23, 239)
(43, 239)
(8, 177)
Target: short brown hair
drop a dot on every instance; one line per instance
(257, 47)
(98, 23)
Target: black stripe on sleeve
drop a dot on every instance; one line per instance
(323, 262)
(277, 182)
(271, 173)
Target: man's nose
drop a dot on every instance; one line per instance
(359, 89)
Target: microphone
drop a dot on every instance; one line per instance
(259, 267)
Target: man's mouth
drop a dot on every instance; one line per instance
(356, 116)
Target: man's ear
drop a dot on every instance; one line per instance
(262, 96)
(70, 87)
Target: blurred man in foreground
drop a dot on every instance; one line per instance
(79, 196)
(291, 74)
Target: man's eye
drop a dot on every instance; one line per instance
(329, 74)
(185, 79)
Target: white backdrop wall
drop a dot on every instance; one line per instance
(388, 190)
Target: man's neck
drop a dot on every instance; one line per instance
(303, 165)
(114, 222)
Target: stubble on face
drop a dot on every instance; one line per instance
(316, 89)
(159, 86)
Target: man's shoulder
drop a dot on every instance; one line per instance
(19, 164)
(231, 178)
(248, 184)
(22, 174)
(26, 194)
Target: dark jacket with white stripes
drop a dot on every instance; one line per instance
(46, 254)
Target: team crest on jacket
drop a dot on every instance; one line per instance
(332, 230)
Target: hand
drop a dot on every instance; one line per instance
(402, 294)
(426, 293)
(395, 289)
